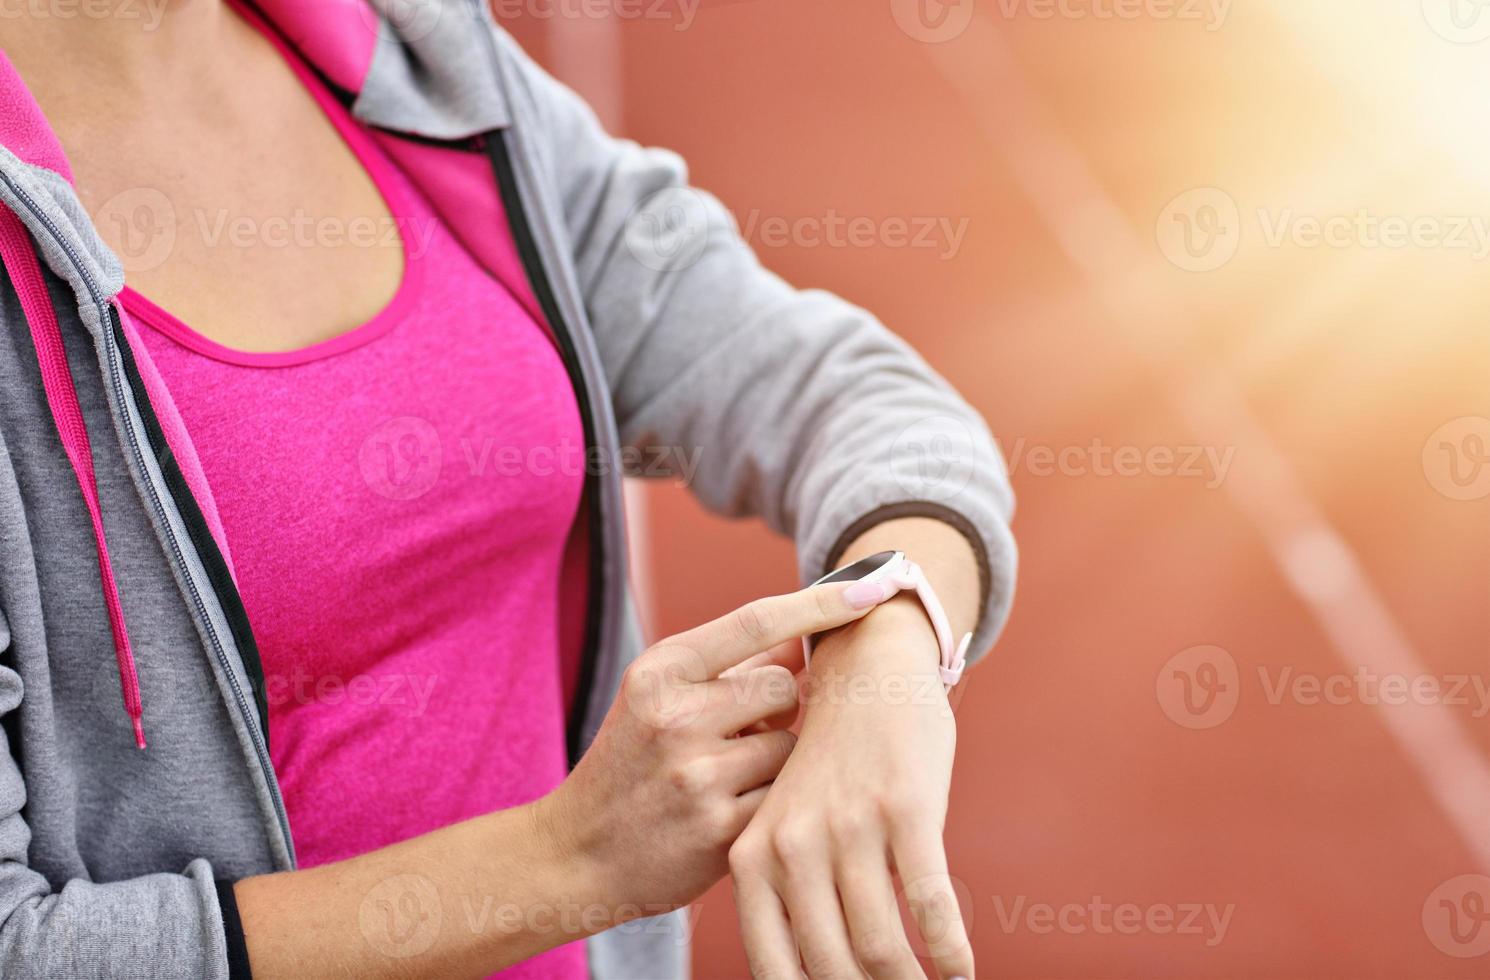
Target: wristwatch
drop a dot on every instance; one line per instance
(895, 570)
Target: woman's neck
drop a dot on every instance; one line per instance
(113, 50)
(102, 79)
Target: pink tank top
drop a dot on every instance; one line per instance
(396, 501)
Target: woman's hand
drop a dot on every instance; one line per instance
(651, 809)
(863, 797)
(642, 825)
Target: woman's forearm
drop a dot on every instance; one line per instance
(642, 825)
(463, 901)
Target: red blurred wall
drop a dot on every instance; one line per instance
(1315, 824)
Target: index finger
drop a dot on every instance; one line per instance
(761, 624)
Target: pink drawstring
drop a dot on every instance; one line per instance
(25, 274)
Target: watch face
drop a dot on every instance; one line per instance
(863, 568)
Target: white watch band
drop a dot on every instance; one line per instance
(900, 573)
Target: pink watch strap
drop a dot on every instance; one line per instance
(954, 654)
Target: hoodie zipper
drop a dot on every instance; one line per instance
(120, 361)
(495, 144)
(122, 371)
(497, 151)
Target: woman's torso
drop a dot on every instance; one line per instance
(396, 455)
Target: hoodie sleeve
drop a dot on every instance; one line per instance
(789, 404)
(158, 925)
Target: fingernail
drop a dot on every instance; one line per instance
(862, 595)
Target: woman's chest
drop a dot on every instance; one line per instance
(401, 487)
(247, 207)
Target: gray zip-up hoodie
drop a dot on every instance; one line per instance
(115, 578)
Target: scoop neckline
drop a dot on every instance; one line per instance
(397, 199)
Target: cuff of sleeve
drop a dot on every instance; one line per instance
(232, 927)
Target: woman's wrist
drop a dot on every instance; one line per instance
(572, 863)
(891, 664)
(896, 637)
(464, 900)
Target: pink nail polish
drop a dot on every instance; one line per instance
(862, 595)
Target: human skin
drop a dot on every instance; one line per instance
(863, 797)
(666, 800)
(643, 824)
(202, 108)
